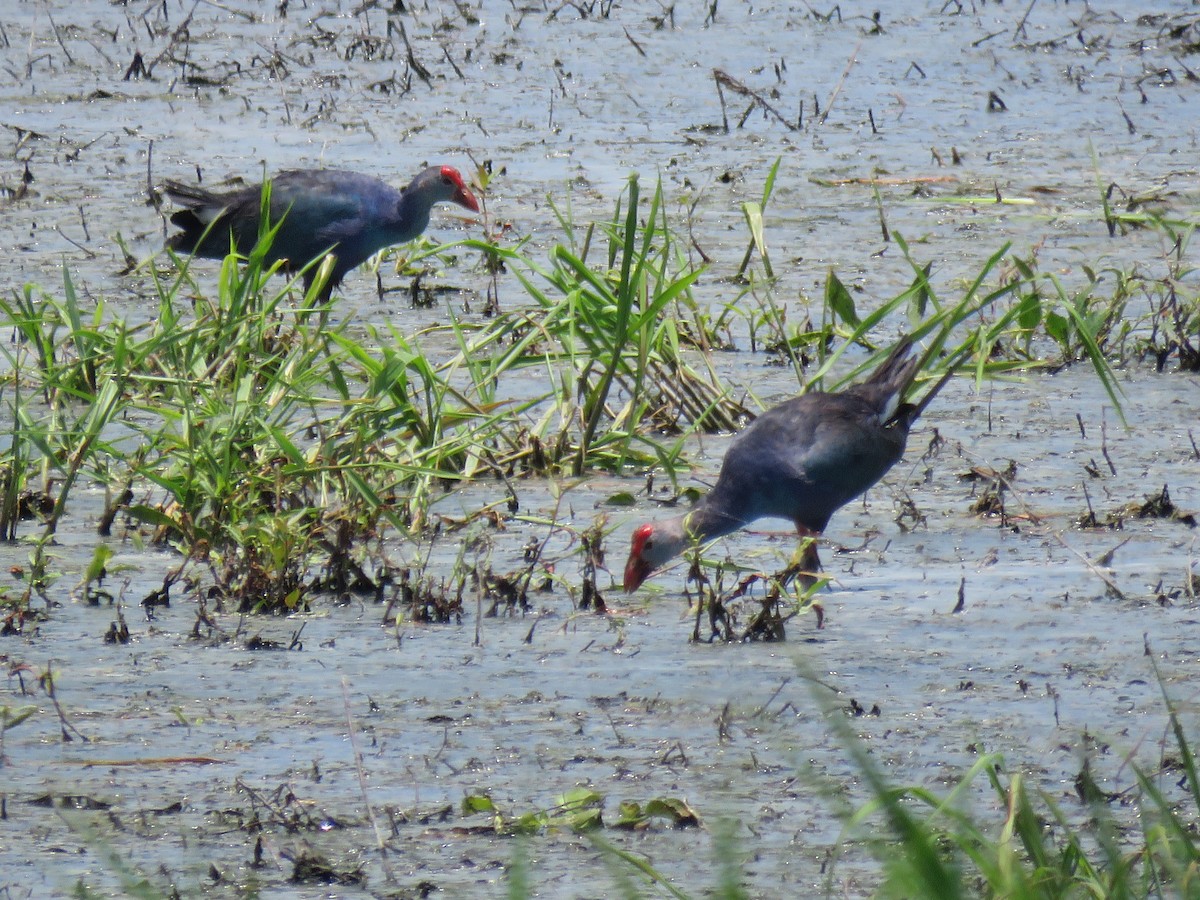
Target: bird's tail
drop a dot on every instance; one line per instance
(199, 210)
(189, 195)
(887, 385)
(895, 374)
(907, 413)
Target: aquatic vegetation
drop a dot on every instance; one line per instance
(285, 456)
(369, 502)
(613, 342)
(994, 833)
(581, 809)
(937, 846)
(273, 447)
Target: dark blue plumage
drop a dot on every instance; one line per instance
(353, 215)
(801, 460)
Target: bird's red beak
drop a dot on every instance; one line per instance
(464, 197)
(462, 194)
(637, 570)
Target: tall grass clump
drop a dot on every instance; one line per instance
(612, 338)
(935, 846)
(1162, 306)
(268, 446)
(223, 424)
(1002, 318)
(297, 443)
(271, 445)
(63, 405)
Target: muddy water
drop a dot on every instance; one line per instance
(1044, 663)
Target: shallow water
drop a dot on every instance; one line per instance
(1043, 664)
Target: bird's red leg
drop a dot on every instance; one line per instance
(809, 564)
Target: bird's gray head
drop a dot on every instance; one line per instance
(654, 545)
(444, 184)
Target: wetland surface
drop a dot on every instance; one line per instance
(209, 768)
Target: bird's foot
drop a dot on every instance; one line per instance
(800, 572)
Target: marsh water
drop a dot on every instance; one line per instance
(209, 768)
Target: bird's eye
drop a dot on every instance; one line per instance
(648, 544)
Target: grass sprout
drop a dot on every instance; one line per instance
(272, 446)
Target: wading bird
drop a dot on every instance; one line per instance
(801, 460)
(351, 215)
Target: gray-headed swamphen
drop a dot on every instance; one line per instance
(352, 215)
(801, 460)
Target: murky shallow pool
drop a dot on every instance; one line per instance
(189, 740)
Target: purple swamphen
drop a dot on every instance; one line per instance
(352, 215)
(801, 460)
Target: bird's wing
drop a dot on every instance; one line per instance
(807, 457)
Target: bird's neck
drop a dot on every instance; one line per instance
(709, 520)
(412, 216)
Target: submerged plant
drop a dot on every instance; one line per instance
(609, 337)
(935, 846)
(271, 446)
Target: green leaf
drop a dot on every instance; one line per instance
(1059, 330)
(1029, 312)
(629, 814)
(11, 718)
(621, 498)
(838, 300)
(676, 810)
(477, 803)
(529, 823)
(100, 557)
